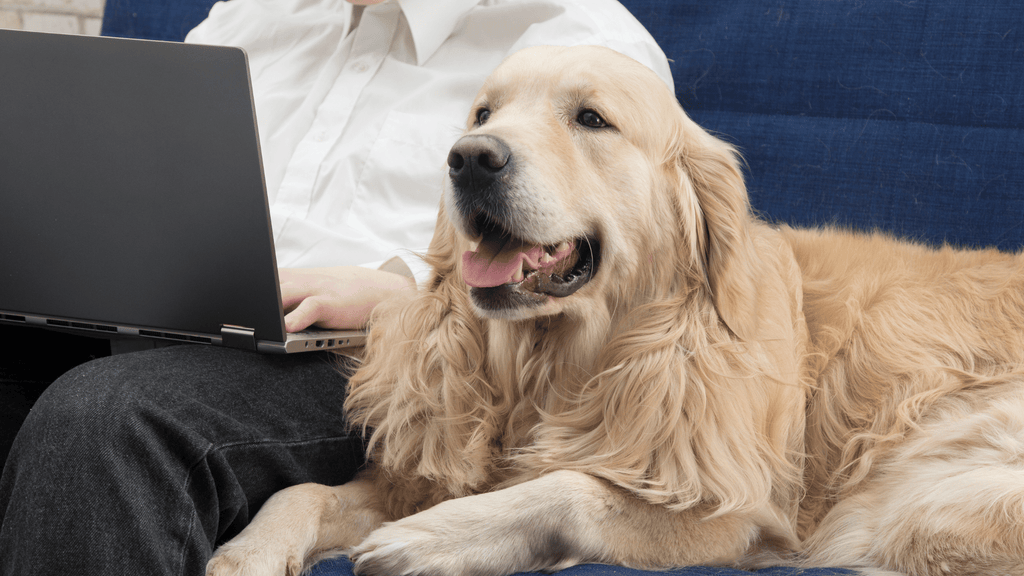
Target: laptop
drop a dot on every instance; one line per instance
(132, 197)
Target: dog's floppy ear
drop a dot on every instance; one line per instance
(716, 213)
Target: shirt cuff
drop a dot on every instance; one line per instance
(410, 267)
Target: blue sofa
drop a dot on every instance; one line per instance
(906, 116)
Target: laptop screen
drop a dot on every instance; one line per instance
(131, 187)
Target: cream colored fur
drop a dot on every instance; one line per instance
(721, 392)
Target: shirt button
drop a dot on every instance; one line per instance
(361, 67)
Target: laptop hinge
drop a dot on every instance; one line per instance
(238, 337)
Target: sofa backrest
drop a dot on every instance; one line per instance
(903, 116)
(873, 114)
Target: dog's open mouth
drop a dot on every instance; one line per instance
(502, 268)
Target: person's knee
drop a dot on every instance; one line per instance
(104, 401)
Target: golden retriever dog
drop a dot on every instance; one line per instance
(616, 362)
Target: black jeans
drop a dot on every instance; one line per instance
(142, 463)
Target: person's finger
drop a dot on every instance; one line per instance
(303, 316)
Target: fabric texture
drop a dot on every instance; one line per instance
(139, 463)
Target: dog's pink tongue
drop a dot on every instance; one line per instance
(486, 268)
(494, 264)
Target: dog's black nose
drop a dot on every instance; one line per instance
(476, 161)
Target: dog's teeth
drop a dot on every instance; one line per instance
(518, 276)
(474, 245)
(546, 258)
(562, 247)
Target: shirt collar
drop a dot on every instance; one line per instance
(432, 22)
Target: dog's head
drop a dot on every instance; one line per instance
(579, 178)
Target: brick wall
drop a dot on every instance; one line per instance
(67, 16)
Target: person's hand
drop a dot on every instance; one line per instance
(339, 298)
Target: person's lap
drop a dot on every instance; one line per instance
(140, 463)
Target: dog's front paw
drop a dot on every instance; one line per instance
(432, 542)
(401, 548)
(472, 536)
(531, 526)
(241, 558)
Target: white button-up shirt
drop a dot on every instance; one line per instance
(357, 107)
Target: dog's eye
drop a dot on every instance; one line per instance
(591, 119)
(482, 115)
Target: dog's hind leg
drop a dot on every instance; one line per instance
(555, 521)
(297, 526)
(948, 501)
